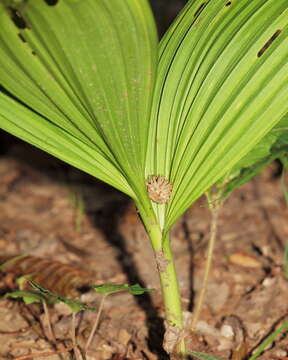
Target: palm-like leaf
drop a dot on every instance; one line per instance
(77, 80)
(221, 86)
(85, 69)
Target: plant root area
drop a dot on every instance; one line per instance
(51, 211)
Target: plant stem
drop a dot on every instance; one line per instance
(172, 300)
(73, 329)
(51, 336)
(95, 326)
(73, 336)
(174, 334)
(211, 244)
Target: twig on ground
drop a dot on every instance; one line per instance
(45, 354)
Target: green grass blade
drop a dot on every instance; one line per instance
(268, 341)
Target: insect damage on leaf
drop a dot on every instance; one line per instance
(200, 9)
(18, 19)
(159, 189)
(228, 3)
(269, 43)
(51, 2)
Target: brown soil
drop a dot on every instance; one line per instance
(247, 294)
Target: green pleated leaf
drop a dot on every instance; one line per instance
(221, 87)
(273, 145)
(85, 69)
(40, 132)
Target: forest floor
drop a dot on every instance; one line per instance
(51, 211)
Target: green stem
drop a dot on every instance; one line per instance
(169, 285)
(174, 335)
(172, 299)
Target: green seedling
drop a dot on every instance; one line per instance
(75, 306)
(35, 296)
(44, 296)
(88, 82)
(108, 289)
(28, 296)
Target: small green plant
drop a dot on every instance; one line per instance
(88, 82)
(47, 297)
(41, 295)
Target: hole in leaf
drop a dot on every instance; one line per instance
(51, 2)
(21, 37)
(228, 3)
(269, 43)
(200, 9)
(18, 19)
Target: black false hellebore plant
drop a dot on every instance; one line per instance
(87, 81)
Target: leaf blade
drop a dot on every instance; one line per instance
(215, 98)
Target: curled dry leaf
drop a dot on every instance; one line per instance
(59, 278)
